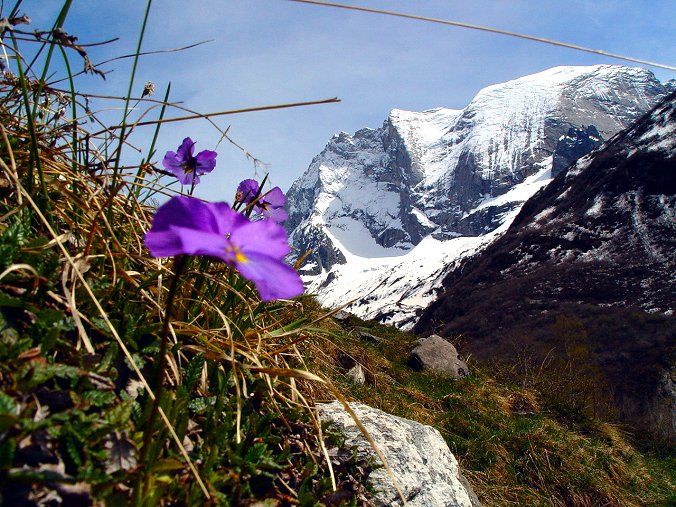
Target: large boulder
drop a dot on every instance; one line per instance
(436, 354)
(425, 469)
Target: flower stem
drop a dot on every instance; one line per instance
(158, 381)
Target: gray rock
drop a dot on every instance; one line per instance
(368, 337)
(356, 373)
(470, 491)
(341, 316)
(424, 467)
(435, 353)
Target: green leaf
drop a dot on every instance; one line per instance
(120, 415)
(7, 301)
(7, 449)
(7, 404)
(44, 372)
(199, 405)
(99, 398)
(193, 372)
(73, 449)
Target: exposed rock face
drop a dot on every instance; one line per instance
(388, 211)
(575, 144)
(368, 337)
(425, 469)
(436, 354)
(341, 316)
(595, 248)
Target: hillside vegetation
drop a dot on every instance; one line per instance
(517, 444)
(126, 377)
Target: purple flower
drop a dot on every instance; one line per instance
(256, 249)
(246, 191)
(186, 167)
(270, 205)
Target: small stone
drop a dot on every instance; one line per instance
(436, 354)
(356, 373)
(368, 337)
(342, 316)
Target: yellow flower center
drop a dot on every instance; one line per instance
(240, 257)
(236, 254)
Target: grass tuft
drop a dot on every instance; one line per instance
(81, 319)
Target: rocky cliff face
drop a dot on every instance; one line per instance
(375, 205)
(594, 250)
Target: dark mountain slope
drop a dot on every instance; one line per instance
(585, 274)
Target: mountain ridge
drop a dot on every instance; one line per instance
(453, 176)
(588, 265)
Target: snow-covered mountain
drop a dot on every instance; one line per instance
(389, 211)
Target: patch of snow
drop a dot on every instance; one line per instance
(595, 209)
(522, 191)
(355, 240)
(422, 219)
(396, 287)
(544, 213)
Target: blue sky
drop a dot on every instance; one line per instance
(274, 51)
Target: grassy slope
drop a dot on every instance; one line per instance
(514, 448)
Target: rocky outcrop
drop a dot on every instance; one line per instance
(575, 144)
(368, 337)
(426, 471)
(436, 354)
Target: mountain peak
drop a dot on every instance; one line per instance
(454, 177)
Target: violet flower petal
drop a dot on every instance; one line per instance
(188, 226)
(186, 150)
(273, 279)
(262, 236)
(205, 161)
(196, 242)
(275, 198)
(247, 190)
(182, 211)
(278, 215)
(171, 162)
(227, 219)
(163, 243)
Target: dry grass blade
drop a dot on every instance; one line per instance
(71, 304)
(19, 267)
(224, 113)
(11, 170)
(486, 29)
